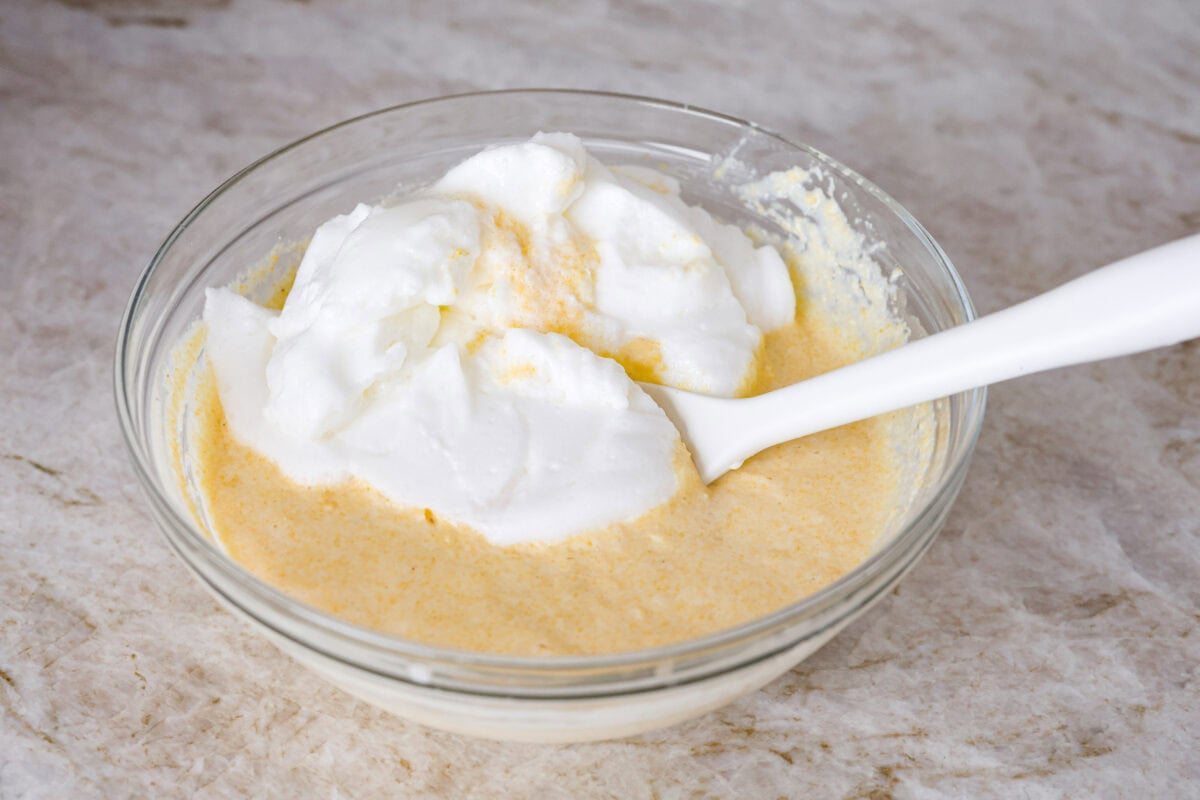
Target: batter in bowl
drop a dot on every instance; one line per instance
(569, 550)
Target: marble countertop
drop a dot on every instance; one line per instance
(1047, 646)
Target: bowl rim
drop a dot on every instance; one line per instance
(906, 540)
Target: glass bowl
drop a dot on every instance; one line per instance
(284, 196)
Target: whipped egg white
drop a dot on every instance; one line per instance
(459, 351)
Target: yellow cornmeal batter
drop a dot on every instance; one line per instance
(791, 520)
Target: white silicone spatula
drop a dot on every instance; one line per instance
(1145, 301)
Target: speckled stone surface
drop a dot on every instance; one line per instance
(1047, 646)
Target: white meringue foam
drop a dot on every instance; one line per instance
(421, 348)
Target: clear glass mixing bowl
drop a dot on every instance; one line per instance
(284, 196)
